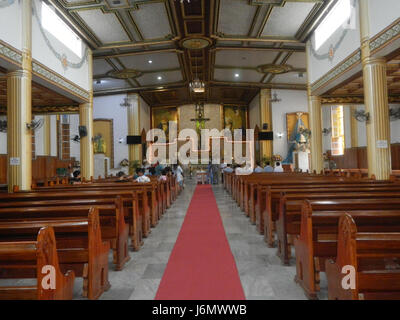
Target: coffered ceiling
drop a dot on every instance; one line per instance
(156, 47)
(353, 90)
(44, 100)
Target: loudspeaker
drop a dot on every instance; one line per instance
(265, 126)
(266, 136)
(82, 131)
(134, 140)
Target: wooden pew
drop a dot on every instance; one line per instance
(33, 256)
(129, 198)
(79, 246)
(111, 214)
(256, 204)
(367, 253)
(270, 210)
(146, 193)
(288, 224)
(317, 241)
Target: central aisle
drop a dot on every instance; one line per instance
(201, 265)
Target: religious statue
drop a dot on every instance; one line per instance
(302, 139)
(99, 144)
(299, 140)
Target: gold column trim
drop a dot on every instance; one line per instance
(86, 119)
(266, 117)
(134, 129)
(315, 111)
(19, 111)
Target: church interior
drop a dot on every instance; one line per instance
(98, 96)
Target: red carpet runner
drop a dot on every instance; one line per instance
(201, 265)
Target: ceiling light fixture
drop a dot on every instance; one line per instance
(150, 61)
(236, 75)
(159, 78)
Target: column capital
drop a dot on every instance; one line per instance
(374, 61)
(265, 92)
(133, 96)
(19, 73)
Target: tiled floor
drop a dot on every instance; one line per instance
(142, 275)
(261, 273)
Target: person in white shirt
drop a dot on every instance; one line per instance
(245, 169)
(141, 177)
(258, 168)
(278, 167)
(179, 175)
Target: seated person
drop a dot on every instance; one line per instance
(244, 169)
(152, 171)
(278, 167)
(228, 169)
(268, 167)
(163, 176)
(76, 177)
(141, 177)
(258, 168)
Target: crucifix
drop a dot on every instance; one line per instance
(200, 121)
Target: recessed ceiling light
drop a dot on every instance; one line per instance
(150, 61)
(159, 78)
(236, 75)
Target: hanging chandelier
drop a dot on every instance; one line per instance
(197, 86)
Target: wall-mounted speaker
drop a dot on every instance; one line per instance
(266, 136)
(82, 131)
(134, 140)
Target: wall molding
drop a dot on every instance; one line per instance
(378, 42)
(59, 81)
(10, 54)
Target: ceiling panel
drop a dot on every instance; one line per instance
(286, 21)
(235, 17)
(106, 26)
(101, 66)
(167, 77)
(243, 58)
(164, 60)
(297, 60)
(152, 20)
(290, 78)
(244, 75)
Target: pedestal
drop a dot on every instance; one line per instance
(101, 165)
(302, 161)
